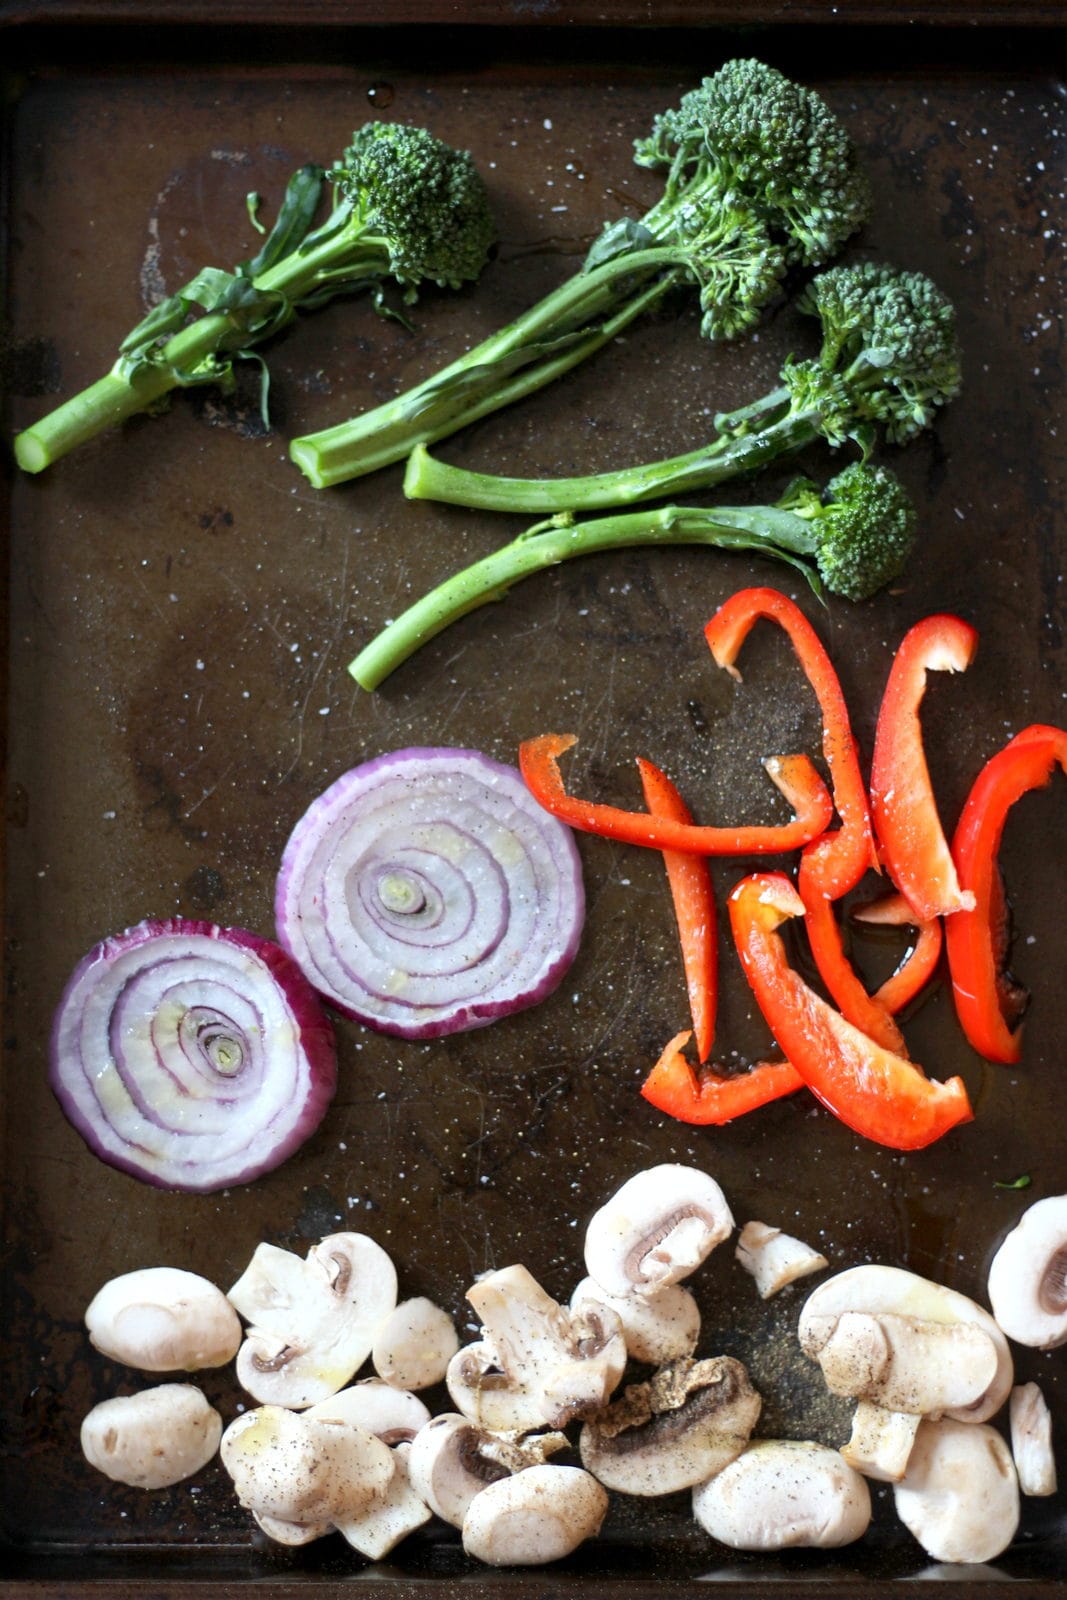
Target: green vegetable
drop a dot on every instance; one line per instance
(853, 539)
(759, 175)
(406, 207)
(889, 357)
(1017, 1183)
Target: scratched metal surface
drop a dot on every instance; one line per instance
(182, 609)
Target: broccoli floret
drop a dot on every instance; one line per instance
(407, 209)
(889, 359)
(852, 538)
(759, 174)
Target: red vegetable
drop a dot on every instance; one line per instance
(694, 909)
(920, 962)
(834, 863)
(794, 776)
(914, 849)
(192, 1056)
(875, 1092)
(975, 936)
(706, 1097)
(425, 892)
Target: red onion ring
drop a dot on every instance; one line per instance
(427, 892)
(192, 1056)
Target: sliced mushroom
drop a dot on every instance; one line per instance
(882, 1292)
(1031, 1440)
(656, 1229)
(393, 1415)
(163, 1319)
(390, 1518)
(414, 1345)
(288, 1465)
(774, 1258)
(1028, 1276)
(784, 1493)
(451, 1461)
(959, 1496)
(312, 1322)
(536, 1516)
(152, 1439)
(684, 1425)
(902, 1363)
(657, 1327)
(881, 1441)
(554, 1365)
(291, 1533)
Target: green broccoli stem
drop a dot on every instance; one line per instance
(727, 456)
(556, 334)
(121, 394)
(776, 533)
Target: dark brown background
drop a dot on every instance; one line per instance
(183, 606)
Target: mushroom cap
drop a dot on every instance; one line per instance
(163, 1319)
(657, 1327)
(782, 1493)
(288, 1465)
(486, 1396)
(879, 1291)
(312, 1322)
(447, 1468)
(656, 1229)
(1028, 1276)
(686, 1424)
(294, 1534)
(415, 1343)
(152, 1439)
(536, 1516)
(960, 1495)
(393, 1415)
(902, 1363)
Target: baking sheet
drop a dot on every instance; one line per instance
(182, 609)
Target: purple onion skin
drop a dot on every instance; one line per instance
(316, 1036)
(478, 1013)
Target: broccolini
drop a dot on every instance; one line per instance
(406, 207)
(759, 174)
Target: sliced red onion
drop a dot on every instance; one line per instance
(192, 1056)
(427, 892)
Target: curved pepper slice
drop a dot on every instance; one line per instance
(919, 964)
(794, 776)
(708, 1098)
(831, 865)
(973, 937)
(914, 849)
(875, 1092)
(694, 909)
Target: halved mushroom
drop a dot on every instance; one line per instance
(539, 1365)
(784, 1493)
(656, 1229)
(893, 1298)
(960, 1495)
(152, 1439)
(287, 1465)
(775, 1258)
(881, 1441)
(684, 1425)
(294, 1534)
(163, 1319)
(380, 1527)
(414, 1345)
(902, 1363)
(452, 1460)
(539, 1515)
(393, 1415)
(1028, 1276)
(657, 1327)
(1031, 1440)
(312, 1322)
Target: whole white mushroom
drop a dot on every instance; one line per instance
(152, 1439)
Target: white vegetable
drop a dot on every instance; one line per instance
(152, 1439)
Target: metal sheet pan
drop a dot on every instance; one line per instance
(182, 608)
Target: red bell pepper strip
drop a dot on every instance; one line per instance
(875, 1092)
(708, 1098)
(914, 849)
(694, 909)
(833, 864)
(975, 937)
(794, 776)
(920, 962)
